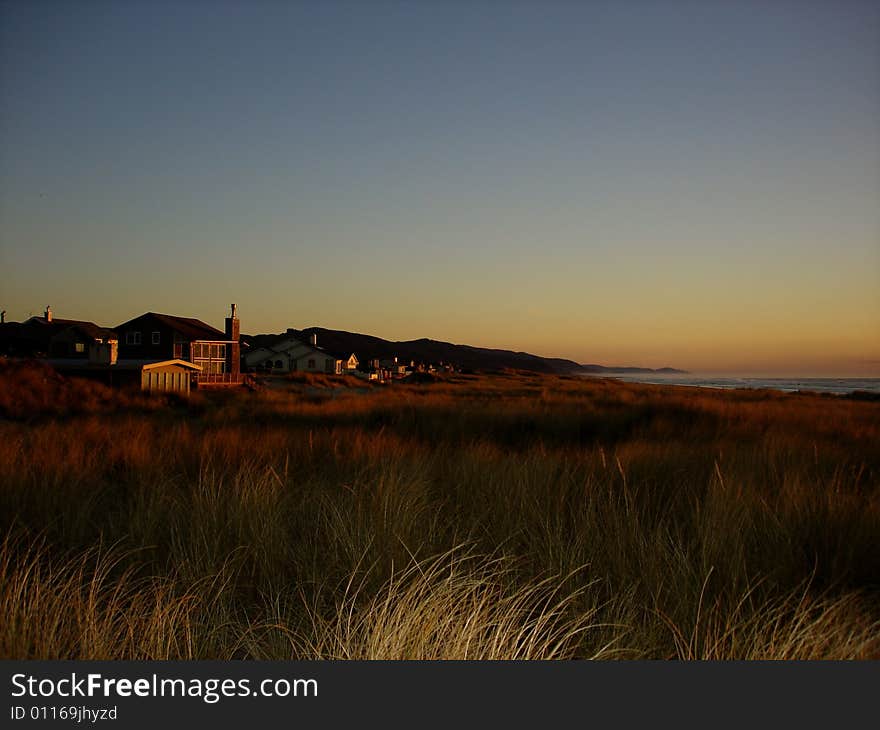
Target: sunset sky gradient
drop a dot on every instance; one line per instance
(694, 184)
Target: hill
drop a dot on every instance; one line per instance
(625, 369)
(467, 357)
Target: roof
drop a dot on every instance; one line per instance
(35, 333)
(126, 364)
(299, 349)
(90, 329)
(293, 348)
(57, 324)
(54, 321)
(166, 363)
(284, 341)
(191, 328)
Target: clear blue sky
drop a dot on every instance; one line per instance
(658, 183)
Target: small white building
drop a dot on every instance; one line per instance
(291, 355)
(166, 376)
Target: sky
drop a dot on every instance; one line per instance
(642, 182)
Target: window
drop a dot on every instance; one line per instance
(207, 356)
(132, 338)
(328, 366)
(311, 363)
(80, 347)
(156, 338)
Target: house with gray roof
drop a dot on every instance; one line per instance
(290, 354)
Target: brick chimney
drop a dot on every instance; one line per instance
(233, 350)
(313, 338)
(48, 313)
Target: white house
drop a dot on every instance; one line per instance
(292, 355)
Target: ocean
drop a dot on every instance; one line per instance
(840, 386)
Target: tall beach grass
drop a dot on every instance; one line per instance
(507, 516)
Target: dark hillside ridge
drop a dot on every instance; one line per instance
(627, 369)
(467, 357)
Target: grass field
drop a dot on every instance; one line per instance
(505, 516)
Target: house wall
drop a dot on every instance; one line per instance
(214, 357)
(64, 345)
(281, 351)
(269, 361)
(146, 324)
(318, 363)
(297, 359)
(254, 358)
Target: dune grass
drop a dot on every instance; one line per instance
(506, 516)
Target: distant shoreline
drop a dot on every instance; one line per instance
(841, 386)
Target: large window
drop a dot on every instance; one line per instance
(208, 351)
(132, 338)
(210, 356)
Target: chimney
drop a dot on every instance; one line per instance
(313, 338)
(233, 349)
(48, 313)
(3, 317)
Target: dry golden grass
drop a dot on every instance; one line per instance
(600, 519)
(31, 389)
(454, 606)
